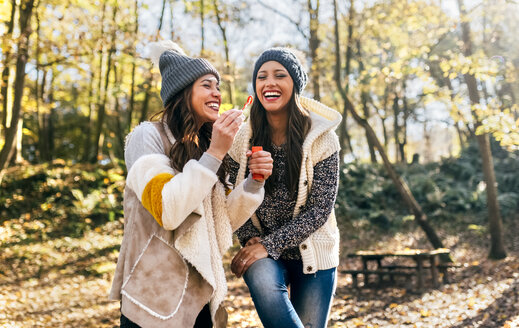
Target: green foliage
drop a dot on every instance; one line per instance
(366, 192)
(51, 200)
(445, 190)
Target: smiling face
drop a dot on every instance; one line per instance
(274, 86)
(206, 98)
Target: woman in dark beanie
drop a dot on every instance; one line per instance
(179, 210)
(292, 240)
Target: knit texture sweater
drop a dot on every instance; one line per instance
(320, 251)
(281, 232)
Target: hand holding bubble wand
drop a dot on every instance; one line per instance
(223, 109)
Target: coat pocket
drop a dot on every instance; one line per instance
(158, 280)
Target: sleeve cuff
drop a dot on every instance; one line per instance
(271, 250)
(251, 185)
(210, 162)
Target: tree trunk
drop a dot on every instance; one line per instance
(37, 94)
(171, 25)
(50, 132)
(384, 130)
(131, 105)
(21, 60)
(314, 43)
(497, 249)
(403, 143)
(365, 109)
(344, 136)
(87, 156)
(6, 71)
(47, 118)
(102, 106)
(149, 81)
(119, 130)
(428, 149)
(364, 96)
(202, 28)
(15, 156)
(396, 126)
(161, 16)
(384, 117)
(88, 125)
(42, 141)
(228, 69)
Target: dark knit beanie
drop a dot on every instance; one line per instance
(178, 71)
(288, 59)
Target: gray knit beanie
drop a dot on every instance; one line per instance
(289, 60)
(177, 69)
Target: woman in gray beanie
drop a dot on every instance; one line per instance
(179, 210)
(292, 240)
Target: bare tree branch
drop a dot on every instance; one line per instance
(63, 59)
(296, 24)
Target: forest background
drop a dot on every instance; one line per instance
(430, 132)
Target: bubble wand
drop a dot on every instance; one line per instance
(247, 103)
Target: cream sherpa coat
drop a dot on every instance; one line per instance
(166, 274)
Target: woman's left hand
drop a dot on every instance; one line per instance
(260, 163)
(246, 257)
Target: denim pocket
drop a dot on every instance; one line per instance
(158, 279)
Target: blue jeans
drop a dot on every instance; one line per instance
(310, 299)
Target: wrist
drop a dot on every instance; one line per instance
(217, 154)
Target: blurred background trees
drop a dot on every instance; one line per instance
(427, 88)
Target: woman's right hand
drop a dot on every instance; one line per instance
(260, 163)
(246, 257)
(224, 129)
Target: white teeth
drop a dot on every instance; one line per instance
(272, 94)
(213, 105)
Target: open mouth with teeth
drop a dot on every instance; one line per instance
(213, 105)
(271, 95)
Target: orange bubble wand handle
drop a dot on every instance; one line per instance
(256, 176)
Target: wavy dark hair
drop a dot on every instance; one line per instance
(298, 126)
(190, 142)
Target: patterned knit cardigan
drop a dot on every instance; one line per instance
(320, 251)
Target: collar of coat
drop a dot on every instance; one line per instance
(324, 119)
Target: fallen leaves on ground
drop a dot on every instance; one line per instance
(64, 282)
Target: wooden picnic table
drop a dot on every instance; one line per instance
(423, 259)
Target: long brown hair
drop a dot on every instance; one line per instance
(190, 142)
(298, 126)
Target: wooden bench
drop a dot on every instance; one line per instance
(380, 273)
(442, 267)
(424, 260)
